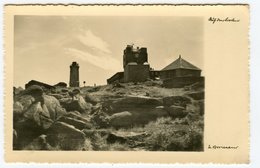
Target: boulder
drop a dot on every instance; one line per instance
(34, 112)
(176, 111)
(139, 100)
(77, 115)
(43, 110)
(17, 108)
(39, 114)
(39, 143)
(113, 138)
(34, 90)
(57, 96)
(122, 119)
(25, 101)
(76, 103)
(143, 115)
(17, 90)
(54, 107)
(176, 100)
(65, 137)
(100, 119)
(26, 130)
(129, 102)
(64, 90)
(79, 124)
(91, 99)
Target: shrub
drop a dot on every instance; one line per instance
(174, 135)
(118, 147)
(99, 143)
(87, 145)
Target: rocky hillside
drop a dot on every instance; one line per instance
(129, 116)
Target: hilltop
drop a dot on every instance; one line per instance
(119, 116)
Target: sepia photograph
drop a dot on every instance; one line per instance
(130, 83)
(108, 83)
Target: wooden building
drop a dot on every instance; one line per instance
(180, 68)
(180, 73)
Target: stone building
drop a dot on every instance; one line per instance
(179, 73)
(135, 54)
(38, 83)
(74, 74)
(136, 67)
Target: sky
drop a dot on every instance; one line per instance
(45, 46)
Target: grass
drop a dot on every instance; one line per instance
(167, 134)
(99, 143)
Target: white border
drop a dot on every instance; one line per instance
(254, 65)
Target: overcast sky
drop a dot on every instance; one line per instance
(45, 46)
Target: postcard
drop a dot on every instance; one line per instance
(126, 83)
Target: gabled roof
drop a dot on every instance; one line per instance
(180, 63)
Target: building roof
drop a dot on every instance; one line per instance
(180, 63)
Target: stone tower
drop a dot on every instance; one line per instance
(136, 67)
(74, 74)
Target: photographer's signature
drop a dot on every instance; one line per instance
(221, 147)
(226, 19)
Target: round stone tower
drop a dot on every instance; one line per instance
(74, 74)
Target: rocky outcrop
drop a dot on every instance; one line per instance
(23, 102)
(57, 96)
(100, 119)
(68, 120)
(78, 116)
(18, 90)
(17, 108)
(65, 137)
(135, 101)
(91, 99)
(34, 112)
(79, 124)
(76, 103)
(176, 111)
(176, 100)
(41, 109)
(25, 131)
(123, 119)
(39, 143)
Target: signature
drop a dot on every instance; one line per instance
(222, 147)
(227, 19)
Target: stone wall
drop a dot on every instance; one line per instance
(136, 73)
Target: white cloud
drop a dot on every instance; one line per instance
(105, 62)
(89, 39)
